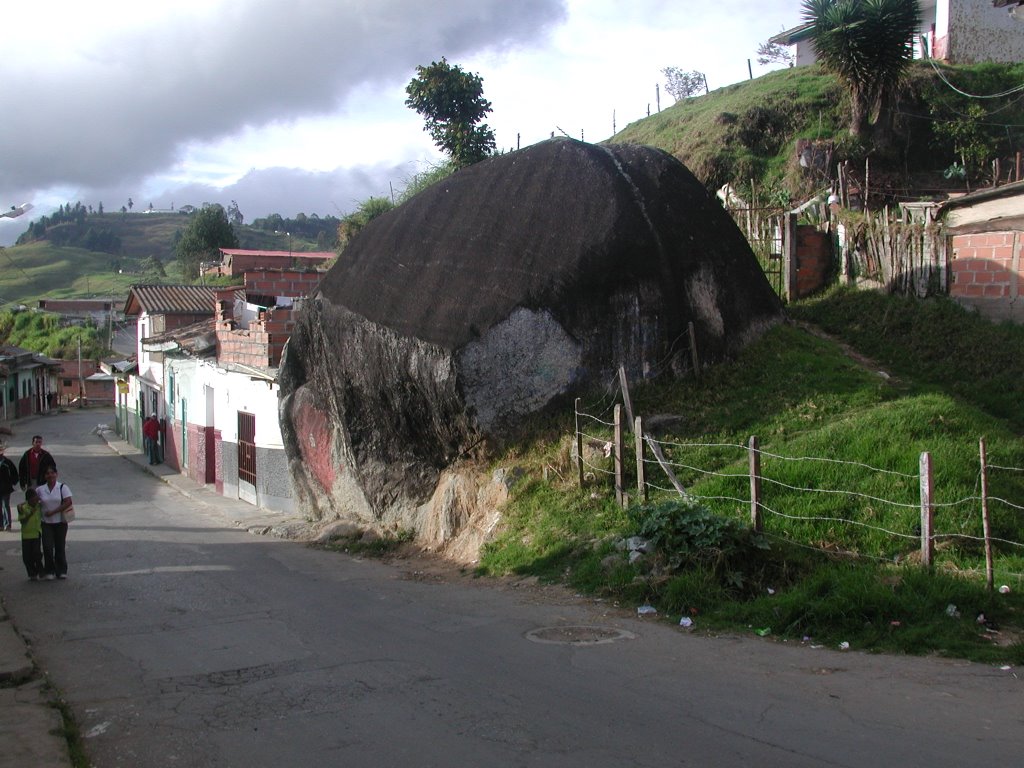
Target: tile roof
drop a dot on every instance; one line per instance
(170, 299)
(315, 255)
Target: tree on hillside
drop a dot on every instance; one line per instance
(452, 103)
(773, 53)
(867, 44)
(235, 215)
(208, 230)
(682, 85)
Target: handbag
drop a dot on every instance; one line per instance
(69, 513)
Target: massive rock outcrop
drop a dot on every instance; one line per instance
(516, 281)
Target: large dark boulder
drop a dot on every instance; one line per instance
(514, 282)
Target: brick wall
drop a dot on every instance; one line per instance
(986, 265)
(294, 283)
(261, 344)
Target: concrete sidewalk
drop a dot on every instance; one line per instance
(31, 726)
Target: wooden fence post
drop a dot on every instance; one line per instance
(694, 357)
(927, 510)
(986, 523)
(617, 455)
(756, 518)
(641, 470)
(579, 443)
(789, 265)
(625, 395)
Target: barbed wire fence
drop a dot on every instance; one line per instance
(649, 461)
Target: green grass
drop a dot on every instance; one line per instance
(839, 567)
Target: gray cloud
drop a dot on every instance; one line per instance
(134, 101)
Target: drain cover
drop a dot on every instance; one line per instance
(578, 635)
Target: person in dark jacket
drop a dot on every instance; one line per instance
(8, 482)
(33, 465)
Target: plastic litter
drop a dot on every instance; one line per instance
(763, 632)
(771, 591)
(952, 612)
(646, 610)
(844, 646)
(686, 621)
(1004, 590)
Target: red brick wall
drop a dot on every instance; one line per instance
(983, 265)
(293, 283)
(261, 344)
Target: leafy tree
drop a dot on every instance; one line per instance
(867, 45)
(452, 103)
(773, 53)
(208, 230)
(235, 215)
(682, 85)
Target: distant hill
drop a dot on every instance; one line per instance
(146, 242)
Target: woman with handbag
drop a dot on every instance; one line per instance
(57, 506)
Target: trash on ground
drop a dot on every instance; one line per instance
(1004, 590)
(844, 646)
(686, 621)
(763, 632)
(646, 610)
(771, 591)
(952, 612)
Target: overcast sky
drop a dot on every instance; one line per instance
(289, 106)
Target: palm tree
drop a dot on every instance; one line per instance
(867, 44)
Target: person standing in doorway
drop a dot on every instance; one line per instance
(8, 482)
(54, 497)
(33, 465)
(151, 437)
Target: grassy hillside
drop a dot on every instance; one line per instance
(831, 567)
(747, 132)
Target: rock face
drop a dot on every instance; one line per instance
(519, 280)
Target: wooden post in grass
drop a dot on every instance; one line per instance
(694, 357)
(927, 510)
(624, 385)
(986, 523)
(756, 518)
(579, 443)
(641, 474)
(617, 455)
(789, 265)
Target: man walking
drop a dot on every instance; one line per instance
(33, 465)
(151, 438)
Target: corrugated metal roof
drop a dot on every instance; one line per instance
(170, 299)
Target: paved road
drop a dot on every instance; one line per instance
(180, 640)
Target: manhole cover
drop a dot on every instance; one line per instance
(578, 635)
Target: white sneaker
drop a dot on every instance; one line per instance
(49, 577)
(62, 575)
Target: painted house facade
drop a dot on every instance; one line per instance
(29, 382)
(237, 261)
(158, 309)
(219, 393)
(953, 31)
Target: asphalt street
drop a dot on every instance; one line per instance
(182, 639)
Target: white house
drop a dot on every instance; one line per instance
(215, 381)
(953, 31)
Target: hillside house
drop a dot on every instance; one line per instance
(237, 261)
(220, 392)
(953, 31)
(158, 309)
(28, 382)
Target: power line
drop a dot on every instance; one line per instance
(942, 77)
